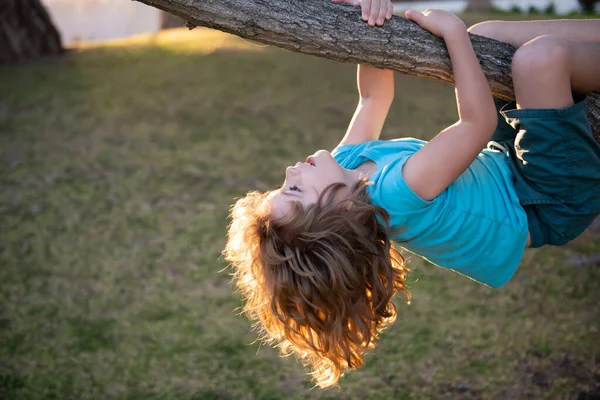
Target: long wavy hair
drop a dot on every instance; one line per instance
(320, 281)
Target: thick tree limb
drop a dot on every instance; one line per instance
(335, 31)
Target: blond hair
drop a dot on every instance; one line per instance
(320, 282)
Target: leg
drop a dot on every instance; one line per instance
(547, 69)
(519, 33)
(555, 157)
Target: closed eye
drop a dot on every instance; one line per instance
(295, 188)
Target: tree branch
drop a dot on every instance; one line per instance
(335, 31)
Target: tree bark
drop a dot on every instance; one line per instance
(335, 31)
(26, 32)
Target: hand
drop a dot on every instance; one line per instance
(373, 11)
(439, 22)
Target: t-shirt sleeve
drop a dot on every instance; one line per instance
(395, 193)
(341, 154)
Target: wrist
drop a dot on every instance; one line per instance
(456, 32)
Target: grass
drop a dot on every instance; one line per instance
(118, 165)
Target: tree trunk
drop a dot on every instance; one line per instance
(26, 32)
(335, 31)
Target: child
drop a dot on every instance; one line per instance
(314, 259)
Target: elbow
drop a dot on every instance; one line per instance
(381, 99)
(489, 120)
(484, 119)
(488, 116)
(375, 84)
(492, 125)
(492, 117)
(487, 124)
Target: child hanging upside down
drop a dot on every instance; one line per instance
(314, 259)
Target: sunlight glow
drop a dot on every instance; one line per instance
(181, 40)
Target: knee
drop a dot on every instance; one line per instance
(540, 57)
(489, 29)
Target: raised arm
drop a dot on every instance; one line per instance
(518, 33)
(375, 86)
(429, 171)
(376, 93)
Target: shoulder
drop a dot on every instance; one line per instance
(346, 154)
(377, 149)
(392, 191)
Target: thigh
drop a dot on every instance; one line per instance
(540, 74)
(547, 69)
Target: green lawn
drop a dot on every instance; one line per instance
(118, 165)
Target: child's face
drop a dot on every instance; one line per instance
(304, 182)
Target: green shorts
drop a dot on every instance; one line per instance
(556, 163)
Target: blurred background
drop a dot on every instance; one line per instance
(119, 160)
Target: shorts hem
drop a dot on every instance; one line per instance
(510, 110)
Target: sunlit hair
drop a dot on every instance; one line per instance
(320, 281)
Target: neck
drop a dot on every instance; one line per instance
(363, 171)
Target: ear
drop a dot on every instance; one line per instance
(285, 236)
(347, 204)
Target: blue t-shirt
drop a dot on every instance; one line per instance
(476, 226)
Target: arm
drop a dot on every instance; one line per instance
(519, 33)
(429, 171)
(376, 93)
(375, 86)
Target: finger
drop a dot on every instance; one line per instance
(374, 12)
(365, 6)
(413, 15)
(390, 11)
(382, 12)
